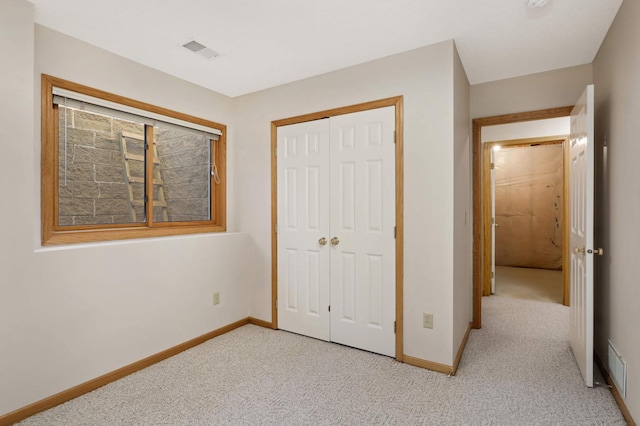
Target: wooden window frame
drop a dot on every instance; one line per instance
(53, 234)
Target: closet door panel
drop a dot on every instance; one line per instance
(303, 220)
(362, 194)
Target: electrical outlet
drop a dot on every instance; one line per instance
(216, 298)
(427, 320)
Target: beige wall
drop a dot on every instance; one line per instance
(462, 238)
(616, 71)
(528, 206)
(425, 77)
(70, 314)
(550, 89)
(527, 129)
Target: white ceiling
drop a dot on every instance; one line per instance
(265, 43)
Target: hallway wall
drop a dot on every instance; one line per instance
(544, 90)
(616, 72)
(529, 189)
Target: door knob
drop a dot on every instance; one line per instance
(322, 241)
(335, 241)
(597, 251)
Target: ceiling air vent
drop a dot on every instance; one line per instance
(200, 49)
(537, 3)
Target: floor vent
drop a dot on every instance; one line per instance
(618, 370)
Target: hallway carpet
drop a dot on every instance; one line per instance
(529, 283)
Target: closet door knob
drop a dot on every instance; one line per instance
(322, 241)
(335, 241)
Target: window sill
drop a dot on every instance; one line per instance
(91, 236)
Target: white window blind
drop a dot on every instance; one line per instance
(68, 98)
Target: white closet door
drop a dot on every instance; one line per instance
(303, 220)
(362, 194)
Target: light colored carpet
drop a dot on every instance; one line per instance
(529, 283)
(517, 370)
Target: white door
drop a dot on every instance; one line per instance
(581, 239)
(336, 218)
(493, 220)
(363, 274)
(303, 220)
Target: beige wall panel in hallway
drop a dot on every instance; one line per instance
(529, 188)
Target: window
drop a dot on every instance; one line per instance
(114, 168)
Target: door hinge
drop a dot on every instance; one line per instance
(395, 138)
(275, 152)
(146, 198)
(493, 220)
(394, 327)
(493, 274)
(493, 166)
(395, 232)
(276, 228)
(329, 308)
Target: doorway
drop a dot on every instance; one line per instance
(479, 237)
(332, 256)
(526, 220)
